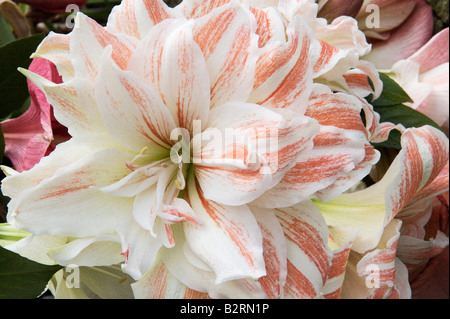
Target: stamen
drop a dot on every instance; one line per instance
(130, 164)
(180, 182)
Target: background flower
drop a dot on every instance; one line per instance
(34, 134)
(53, 5)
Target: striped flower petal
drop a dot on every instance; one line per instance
(38, 208)
(283, 72)
(136, 17)
(423, 156)
(91, 39)
(229, 239)
(133, 112)
(338, 269)
(265, 143)
(201, 280)
(308, 255)
(340, 158)
(159, 283)
(182, 83)
(378, 274)
(56, 48)
(274, 251)
(230, 52)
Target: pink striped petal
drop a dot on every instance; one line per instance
(309, 257)
(197, 8)
(343, 34)
(338, 269)
(340, 158)
(378, 274)
(381, 262)
(415, 252)
(38, 209)
(230, 51)
(73, 104)
(229, 239)
(272, 142)
(405, 40)
(343, 112)
(357, 80)
(274, 252)
(56, 48)
(270, 25)
(139, 247)
(424, 155)
(325, 57)
(335, 153)
(336, 109)
(182, 83)
(179, 261)
(159, 283)
(352, 178)
(136, 17)
(283, 71)
(438, 186)
(133, 112)
(64, 154)
(88, 40)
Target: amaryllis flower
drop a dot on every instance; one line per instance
(53, 5)
(35, 133)
(425, 77)
(382, 230)
(191, 129)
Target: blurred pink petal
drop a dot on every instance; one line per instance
(405, 40)
(392, 14)
(29, 136)
(432, 283)
(54, 5)
(425, 77)
(434, 53)
(336, 8)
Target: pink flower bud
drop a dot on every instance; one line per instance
(54, 5)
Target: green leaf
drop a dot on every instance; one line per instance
(6, 35)
(401, 114)
(21, 278)
(391, 109)
(392, 94)
(13, 85)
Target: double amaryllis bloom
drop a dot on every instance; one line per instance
(210, 148)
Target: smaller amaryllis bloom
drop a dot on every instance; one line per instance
(402, 28)
(425, 77)
(54, 5)
(381, 229)
(35, 133)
